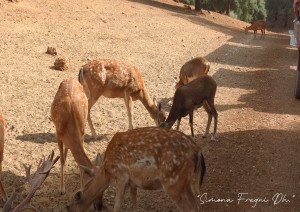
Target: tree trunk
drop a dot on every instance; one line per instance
(286, 18)
(228, 7)
(198, 5)
(276, 15)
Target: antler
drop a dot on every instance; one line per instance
(35, 181)
(9, 203)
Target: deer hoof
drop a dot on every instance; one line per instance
(213, 138)
(205, 134)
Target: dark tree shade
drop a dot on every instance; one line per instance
(198, 5)
(228, 7)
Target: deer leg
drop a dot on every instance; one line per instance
(178, 123)
(119, 196)
(133, 193)
(215, 115)
(177, 199)
(209, 114)
(191, 200)
(191, 123)
(2, 190)
(62, 164)
(129, 105)
(3, 193)
(91, 103)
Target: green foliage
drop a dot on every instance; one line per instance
(188, 2)
(215, 5)
(273, 5)
(250, 10)
(246, 10)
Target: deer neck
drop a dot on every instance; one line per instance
(96, 187)
(149, 104)
(81, 157)
(172, 117)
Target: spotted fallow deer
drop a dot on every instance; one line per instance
(69, 114)
(191, 70)
(197, 93)
(114, 79)
(149, 158)
(2, 135)
(257, 25)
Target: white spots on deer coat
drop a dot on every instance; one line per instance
(174, 180)
(146, 161)
(103, 74)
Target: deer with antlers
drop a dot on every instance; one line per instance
(69, 114)
(257, 25)
(35, 181)
(149, 158)
(2, 135)
(191, 70)
(114, 79)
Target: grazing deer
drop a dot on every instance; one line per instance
(69, 114)
(2, 135)
(149, 158)
(191, 70)
(257, 25)
(197, 93)
(115, 79)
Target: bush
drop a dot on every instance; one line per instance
(188, 2)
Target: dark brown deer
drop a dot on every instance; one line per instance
(2, 136)
(191, 70)
(149, 158)
(197, 93)
(114, 79)
(257, 25)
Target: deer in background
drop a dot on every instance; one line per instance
(115, 79)
(150, 158)
(257, 25)
(2, 135)
(191, 70)
(197, 93)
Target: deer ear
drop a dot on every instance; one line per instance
(78, 196)
(159, 106)
(155, 101)
(98, 160)
(87, 170)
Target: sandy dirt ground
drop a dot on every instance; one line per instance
(257, 156)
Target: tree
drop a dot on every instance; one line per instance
(246, 10)
(228, 7)
(198, 5)
(275, 7)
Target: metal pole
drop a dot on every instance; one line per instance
(297, 88)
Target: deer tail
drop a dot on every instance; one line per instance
(207, 68)
(200, 169)
(83, 82)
